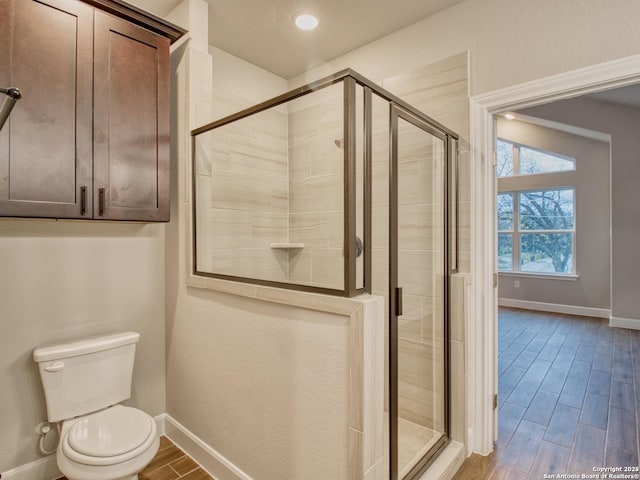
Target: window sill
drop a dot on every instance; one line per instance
(545, 276)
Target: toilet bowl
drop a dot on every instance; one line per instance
(113, 444)
(84, 382)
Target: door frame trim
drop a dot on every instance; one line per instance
(481, 322)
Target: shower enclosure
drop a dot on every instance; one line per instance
(341, 188)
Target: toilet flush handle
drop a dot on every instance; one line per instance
(54, 367)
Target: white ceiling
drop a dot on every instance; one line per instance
(262, 31)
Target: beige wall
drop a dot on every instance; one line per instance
(264, 384)
(621, 123)
(61, 280)
(592, 218)
(510, 41)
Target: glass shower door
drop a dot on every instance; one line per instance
(418, 289)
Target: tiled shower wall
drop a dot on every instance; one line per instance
(441, 91)
(316, 186)
(278, 177)
(244, 182)
(274, 177)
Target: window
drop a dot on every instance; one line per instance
(536, 227)
(505, 231)
(512, 157)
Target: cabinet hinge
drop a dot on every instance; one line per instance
(495, 158)
(495, 280)
(495, 401)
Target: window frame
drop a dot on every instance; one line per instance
(515, 155)
(511, 231)
(554, 181)
(516, 232)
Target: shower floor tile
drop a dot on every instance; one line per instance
(414, 441)
(171, 463)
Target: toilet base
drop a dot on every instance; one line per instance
(77, 471)
(128, 477)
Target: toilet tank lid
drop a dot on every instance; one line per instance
(84, 346)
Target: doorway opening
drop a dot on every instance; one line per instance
(482, 326)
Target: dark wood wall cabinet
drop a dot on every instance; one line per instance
(90, 136)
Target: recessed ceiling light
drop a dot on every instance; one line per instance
(509, 116)
(306, 21)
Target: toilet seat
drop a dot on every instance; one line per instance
(108, 437)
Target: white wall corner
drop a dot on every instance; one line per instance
(180, 15)
(212, 461)
(160, 423)
(193, 15)
(632, 323)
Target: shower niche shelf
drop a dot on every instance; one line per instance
(287, 246)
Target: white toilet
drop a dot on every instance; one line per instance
(84, 381)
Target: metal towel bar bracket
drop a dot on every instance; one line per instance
(13, 95)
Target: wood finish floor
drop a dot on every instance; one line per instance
(171, 463)
(569, 391)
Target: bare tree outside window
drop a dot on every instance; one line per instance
(548, 213)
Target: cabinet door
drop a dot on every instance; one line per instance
(131, 122)
(46, 50)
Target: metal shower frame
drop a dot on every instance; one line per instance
(397, 109)
(350, 79)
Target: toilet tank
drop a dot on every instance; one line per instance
(86, 375)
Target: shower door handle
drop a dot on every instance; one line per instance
(398, 301)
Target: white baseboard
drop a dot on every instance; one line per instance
(44, 468)
(206, 456)
(555, 307)
(632, 323)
